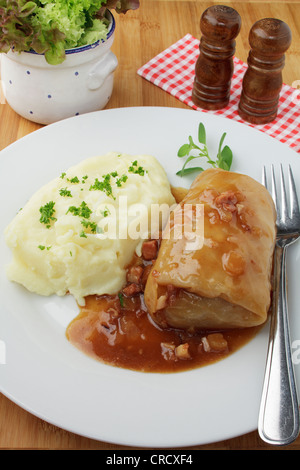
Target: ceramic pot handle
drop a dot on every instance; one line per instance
(102, 70)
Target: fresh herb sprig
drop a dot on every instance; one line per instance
(223, 158)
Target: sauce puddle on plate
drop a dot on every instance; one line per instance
(126, 337)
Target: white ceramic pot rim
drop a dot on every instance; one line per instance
(112, 26)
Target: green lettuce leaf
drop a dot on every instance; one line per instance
(51, 26)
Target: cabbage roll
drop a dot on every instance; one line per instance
(224, 282)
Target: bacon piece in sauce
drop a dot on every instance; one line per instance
(132, 289)
(134, 274)
(149, 250)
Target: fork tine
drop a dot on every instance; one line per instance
(285, 214)
(264, 178)
(293, 195)
(284, 204)
(274, 191)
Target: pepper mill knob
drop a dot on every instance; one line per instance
(219, 25)
(269, 39)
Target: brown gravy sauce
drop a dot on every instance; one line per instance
(117, 330)
(131, 340)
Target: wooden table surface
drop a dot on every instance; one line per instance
(140, 35)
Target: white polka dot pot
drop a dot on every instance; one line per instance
(45, 93)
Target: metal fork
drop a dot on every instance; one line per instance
(278, 422)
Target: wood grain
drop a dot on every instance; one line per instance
(140, 35)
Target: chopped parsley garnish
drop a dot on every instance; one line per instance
(106, 212)
(75, 180)
(43, 247)
(104, 185)
(121, 298)
(134, 168)
(82, 234)
(82, 211)
(47, 212)
(121, 180)
(65, 192)
(91, 225)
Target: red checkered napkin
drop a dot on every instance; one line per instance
(173, 70)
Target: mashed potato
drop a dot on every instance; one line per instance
(63, 240)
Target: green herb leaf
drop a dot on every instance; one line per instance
(184, 150)
(188, 171)
(226, 158)
(222, 140)
(201, 134)
(190, 158)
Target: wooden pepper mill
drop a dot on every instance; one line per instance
(269, 39)
(219, 25)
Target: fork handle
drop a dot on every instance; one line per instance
(278, 422)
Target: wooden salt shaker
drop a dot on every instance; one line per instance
(269, 39)
(219, 25)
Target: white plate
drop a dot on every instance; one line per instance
(44, 374)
